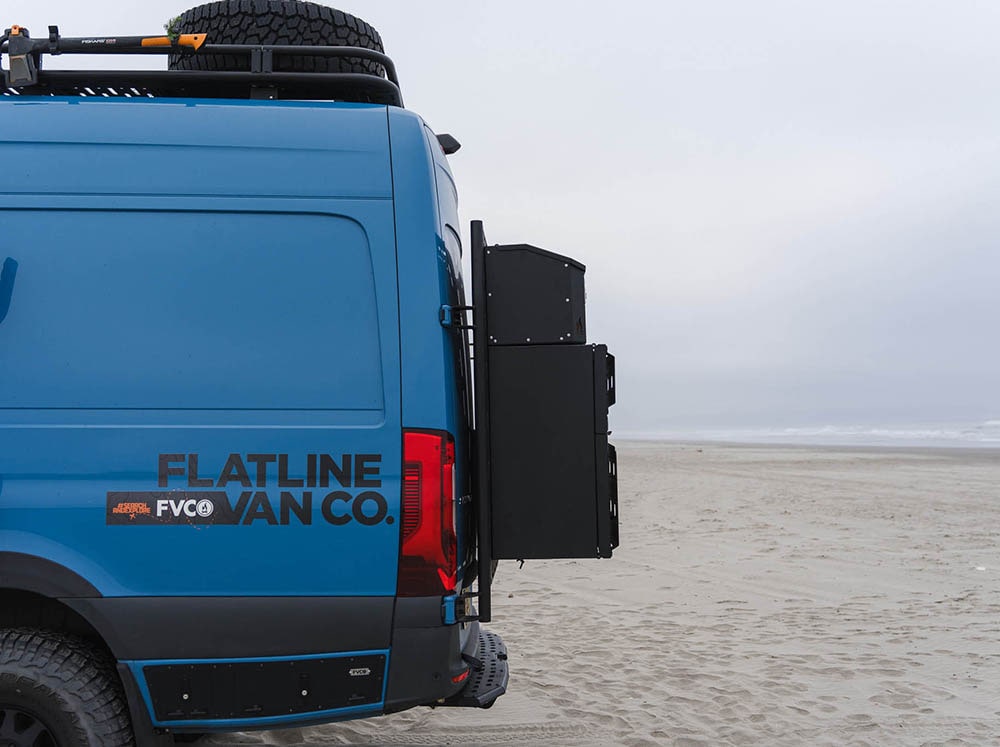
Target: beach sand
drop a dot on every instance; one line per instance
(762, 595)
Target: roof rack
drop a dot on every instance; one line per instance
(24, 75)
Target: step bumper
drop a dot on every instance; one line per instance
(489, 676)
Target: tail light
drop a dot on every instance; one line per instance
(428, 562)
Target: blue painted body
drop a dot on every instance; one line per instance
(217, 278)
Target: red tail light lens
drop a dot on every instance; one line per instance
(428, 562)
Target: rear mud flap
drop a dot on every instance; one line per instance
(489, 676)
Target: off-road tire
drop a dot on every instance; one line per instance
(277, 22)
(68, 686)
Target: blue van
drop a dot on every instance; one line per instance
(259, 453)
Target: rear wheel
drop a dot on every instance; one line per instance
(277, 22)
(58, 691)
(20, 727)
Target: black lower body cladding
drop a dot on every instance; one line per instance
(149, 628)
(277, 22)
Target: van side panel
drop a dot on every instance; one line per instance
(217, 318)
(199, 376)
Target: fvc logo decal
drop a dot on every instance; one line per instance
(294, 502)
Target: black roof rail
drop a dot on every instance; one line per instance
(24, 74)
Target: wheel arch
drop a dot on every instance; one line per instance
(29, 609)
(30, 573)
(37, 593)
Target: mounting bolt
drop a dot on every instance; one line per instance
(186, 696)
(305, 693)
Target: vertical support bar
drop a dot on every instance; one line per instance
(613, 480)
(601, 454)
(481, 486)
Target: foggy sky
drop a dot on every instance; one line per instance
(787, 209)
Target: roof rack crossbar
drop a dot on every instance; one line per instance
(217, 84)
(25, 62)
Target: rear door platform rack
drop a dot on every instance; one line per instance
(23, 74)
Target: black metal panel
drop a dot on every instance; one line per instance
(242, 690)
(545, 472)
(144, 733)
(146, 628)
(535, 297)
(551, 494)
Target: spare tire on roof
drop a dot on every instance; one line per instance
(277, 22)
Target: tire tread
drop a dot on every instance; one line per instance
(278, 22)
(78, 674)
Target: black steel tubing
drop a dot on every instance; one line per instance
(132, 45)
(190, 79)
(248, 49)
(481, 369)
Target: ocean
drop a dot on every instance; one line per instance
(984, 434)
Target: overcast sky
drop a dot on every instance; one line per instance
(788, 210)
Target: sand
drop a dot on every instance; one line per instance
(762, 595)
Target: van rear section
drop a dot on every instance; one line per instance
(260, 452)
(205, 415)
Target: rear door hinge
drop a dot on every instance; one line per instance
(453, 317)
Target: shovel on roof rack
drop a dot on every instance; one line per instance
(25, 53)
